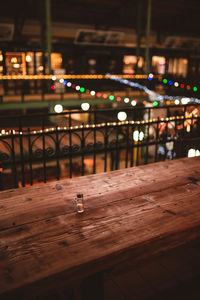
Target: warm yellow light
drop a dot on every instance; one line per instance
(13, 60)
(28, 58)
(16, 66)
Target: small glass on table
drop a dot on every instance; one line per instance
(79, 203)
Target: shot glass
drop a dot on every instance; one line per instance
(79, 203)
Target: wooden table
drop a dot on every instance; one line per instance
(131, 213)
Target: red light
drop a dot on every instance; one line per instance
(136, 100)
(119, 98)
(98, 94)
(182, 85)
(73, 86)
(53, 87)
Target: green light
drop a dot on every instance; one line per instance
(165, 80)
(111, 97)
(155, 103)
(82, 89)
(195, 89)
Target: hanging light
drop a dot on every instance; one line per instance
(133, 102)
(58, 108)
(185, 100)
(85, 106)
(121, 116)
(126, 100)
(28, 58)
(177, 102)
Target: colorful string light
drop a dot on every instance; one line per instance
(94, 93)
(177, 84)
(152, 94)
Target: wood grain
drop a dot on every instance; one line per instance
(136, 212)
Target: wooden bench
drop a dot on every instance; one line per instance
(131, 214)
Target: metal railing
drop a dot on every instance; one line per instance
(69, 117)
(40, 153)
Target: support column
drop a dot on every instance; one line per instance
(138, 33)
(148, 36)
(5, 82)
(48, 33)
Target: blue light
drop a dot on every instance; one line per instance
(150, 78)
(170, 82)
(65, 82)
(157, 97)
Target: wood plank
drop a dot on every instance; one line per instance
(136, 212)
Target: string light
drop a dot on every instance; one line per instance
(98, 94)
(177, 102)
(111, 97)
(133, 102)
(126, 100)
(85, 76)
(182, 86)
(108, 76)
(157, 97)
(82, 89)
(3, 132)
(122, 116)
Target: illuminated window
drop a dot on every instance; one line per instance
(30, 63)
(178, 66)
(15, 63)
(158, 64)
(56, 61)
(39, 65)
(130, 62)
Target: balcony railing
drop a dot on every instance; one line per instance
(69, 148)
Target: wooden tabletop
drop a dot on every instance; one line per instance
(135, 212)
